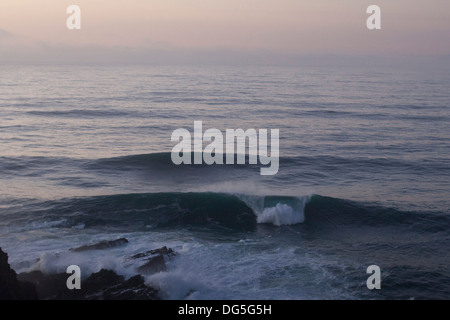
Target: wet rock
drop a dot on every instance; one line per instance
(28, 291)
(101, 245)
(47, 286)
(161, 251)
(10, 287)
(132, 289)
(155, 260)
(153, 265)
(102, 285)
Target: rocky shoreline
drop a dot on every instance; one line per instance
(102, 285)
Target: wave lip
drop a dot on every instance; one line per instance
(277, 210)
(281, 214)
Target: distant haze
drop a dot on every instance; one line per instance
(136, 29)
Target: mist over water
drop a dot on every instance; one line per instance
(363, 179)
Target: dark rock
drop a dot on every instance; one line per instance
(33, 276)
(107, 285)
(132, 289)
(156, 260)
(162, 251)
(102, 285)
(153, 265)
(101, 280)
(47, 286)
(101, 245)
(28, 291)
(10, 287)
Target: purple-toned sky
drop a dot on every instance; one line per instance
(412, 27)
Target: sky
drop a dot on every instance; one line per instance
(132, 27)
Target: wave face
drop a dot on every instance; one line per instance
(328, 210)
(215, 210)
(160, 210)
(149, 211)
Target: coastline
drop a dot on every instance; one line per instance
(102, 285)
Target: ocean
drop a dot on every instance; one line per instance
(364, 178)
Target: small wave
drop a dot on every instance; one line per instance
(160, 164)
(79, 113)
(322, 163)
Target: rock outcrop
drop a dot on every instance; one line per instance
(161, 251)
(102, 285)
(101, 245)
(155, 260)
(10, 287)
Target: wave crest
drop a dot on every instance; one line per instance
(277, 210)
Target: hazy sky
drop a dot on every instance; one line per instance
(287, 26)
